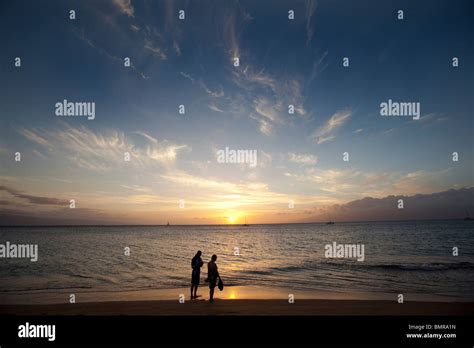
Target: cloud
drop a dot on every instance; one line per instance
(302, 158)
(157, 51)
(319, 66)
(39, 154)
(214, 94)
(310, 10)
(147, 136)
(35, 138)
(358, 130)
(35, 199)
(187, 76)
(102, 151)
(269, 97)
(325, 132)
(265, 108)
(80, 34)
(421, 181)
(209, 92)
(266, 114)
(265, 126)
(214, 107)
(176, 47)
(388, 131)
(165, 154)
(450, 204)
(354, 183)
(429, 120)
(216, 193)
(125, 6)
(233, 22)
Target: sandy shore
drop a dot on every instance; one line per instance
(245, 307)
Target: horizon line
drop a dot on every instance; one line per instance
(261, 224)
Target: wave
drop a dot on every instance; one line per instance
(318, 265)
(45, 289)
(433, 266)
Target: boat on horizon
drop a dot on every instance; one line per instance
(245, 224)
(468, 217)
(330, 222)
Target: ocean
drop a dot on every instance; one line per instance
(413, 257)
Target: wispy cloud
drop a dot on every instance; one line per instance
(125, 6)
(135, 28)
(35, 199)
(105, 150)
(319, 66)
(269, 97)
(388, 131)
(310, 10)
(214, 107)
(214, 94)
(234, 21)
(156, 50)
(35, 137)
(80, 34)
(265, 108)
(326, 132)
(187, 76)
(147, 136)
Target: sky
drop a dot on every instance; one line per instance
(190, 62)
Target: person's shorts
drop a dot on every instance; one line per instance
(195, 278)
(212, 283)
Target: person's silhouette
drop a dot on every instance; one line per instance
(212, 276)
(196, 264)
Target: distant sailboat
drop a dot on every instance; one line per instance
(168, 223)
(330, 222)
(468, 217)
(245, 222)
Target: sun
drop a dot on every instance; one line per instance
(231, 219)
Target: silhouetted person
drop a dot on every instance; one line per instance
(212, 276)
(196, 264)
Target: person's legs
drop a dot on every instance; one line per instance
(195, 290)
(192, 288)
(211, 295)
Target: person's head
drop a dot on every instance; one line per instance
(214, 257)
(199, 253)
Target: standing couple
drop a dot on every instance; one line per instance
(212, 275)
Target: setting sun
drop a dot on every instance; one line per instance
(232, 217)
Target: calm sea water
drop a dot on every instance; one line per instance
(400, 257)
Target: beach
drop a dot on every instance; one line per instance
(245, 307)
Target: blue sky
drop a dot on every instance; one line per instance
(190, 62)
